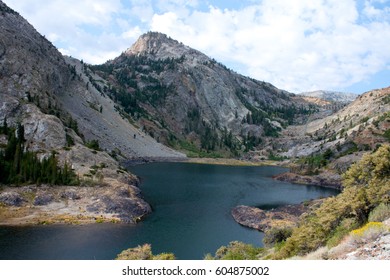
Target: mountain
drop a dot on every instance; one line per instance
(362, 125)
(332, 96)
(190, 102)
(35, 76)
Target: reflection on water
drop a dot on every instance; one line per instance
(191, 203)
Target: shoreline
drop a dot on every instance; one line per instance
(324, 180)
(67, 205)
(235, 162)
(71, 205)
(215, 161)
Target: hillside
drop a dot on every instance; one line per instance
(191, 102)
(360, 126)
(46, 104)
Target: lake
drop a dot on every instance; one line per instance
(191, 215)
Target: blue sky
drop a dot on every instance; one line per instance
(298, 46)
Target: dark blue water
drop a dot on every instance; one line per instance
(191, 204)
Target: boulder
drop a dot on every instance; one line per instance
(43, 199)
(11, 198)
(70, 194)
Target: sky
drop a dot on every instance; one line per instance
(297, 45)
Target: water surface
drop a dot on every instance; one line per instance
(191, 215)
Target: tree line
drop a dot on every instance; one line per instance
(20, 166)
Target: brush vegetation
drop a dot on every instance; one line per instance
(366, 187)
(356, 212)
(143, 252)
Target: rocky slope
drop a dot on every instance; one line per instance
(362, 122)
(42, 89)
(332, 96)
(178, 94)
(98, 117)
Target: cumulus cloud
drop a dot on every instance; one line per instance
(296, 45)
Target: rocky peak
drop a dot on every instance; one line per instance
(159, 46)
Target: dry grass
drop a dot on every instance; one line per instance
(357, 238)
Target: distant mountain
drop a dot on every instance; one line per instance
(189, 101)
(360, 126)
(332, 96)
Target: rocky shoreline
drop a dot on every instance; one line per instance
(286, 216)
(109, 202)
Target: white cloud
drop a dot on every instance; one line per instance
(142, 9)
(372, 12)
(77, 27)
(296, 45)
(132, 33)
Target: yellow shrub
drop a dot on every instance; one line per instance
(369, 226)
(369, 232)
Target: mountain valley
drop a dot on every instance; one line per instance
(160, 100)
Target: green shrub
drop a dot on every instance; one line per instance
(366, 184)
(237, 251)
(380, 213)
(143, 252)
(164, 256)
(386, 134)
(341, 231)
(93, 144)
(276, 235)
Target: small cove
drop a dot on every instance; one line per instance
(191, 214)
